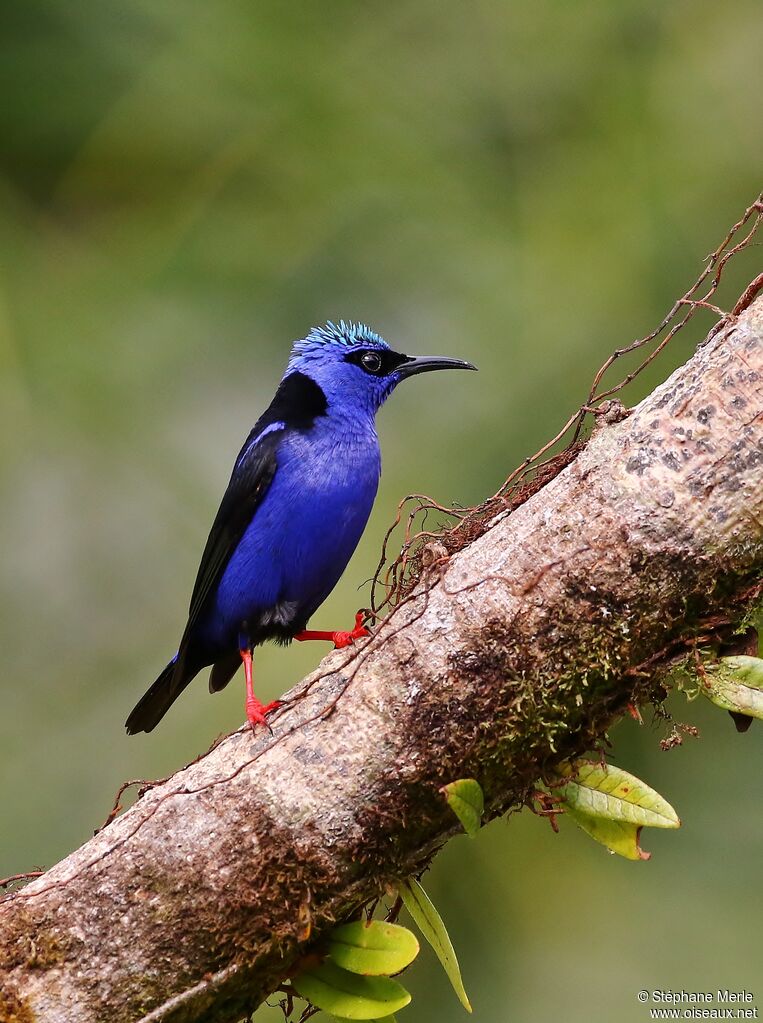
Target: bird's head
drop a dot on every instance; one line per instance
(355, 367)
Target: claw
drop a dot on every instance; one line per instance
(343, 639)
(256, 712)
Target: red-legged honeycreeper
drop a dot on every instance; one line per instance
(296, 506)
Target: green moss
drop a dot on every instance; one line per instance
(752, 619)
(45, 951)
(19, 949)
(14, 1009)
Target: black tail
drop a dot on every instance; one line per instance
(152, 707)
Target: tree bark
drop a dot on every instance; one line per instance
(511, 655)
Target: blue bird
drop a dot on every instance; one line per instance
(298, 500)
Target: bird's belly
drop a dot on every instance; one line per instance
(294, 551)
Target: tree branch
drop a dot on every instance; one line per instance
(509, 656)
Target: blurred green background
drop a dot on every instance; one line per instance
(187, 187)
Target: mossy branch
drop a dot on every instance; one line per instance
(511, 655)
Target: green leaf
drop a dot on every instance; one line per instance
(735, 684)
(373, 948)
(389, 1019)
(609, 793)
(467, 802)
(349, 996)
(620, 837)
(429, 922)
(343, 1019)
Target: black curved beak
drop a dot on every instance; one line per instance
(427, 363)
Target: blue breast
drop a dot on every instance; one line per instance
(304, 532)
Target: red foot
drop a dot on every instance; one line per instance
(342, 639)
(256, 712)
(339, 639)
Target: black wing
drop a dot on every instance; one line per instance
(251, 478)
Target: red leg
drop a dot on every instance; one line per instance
(256, 712)
(339, 639)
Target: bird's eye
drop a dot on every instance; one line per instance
(371, 362)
